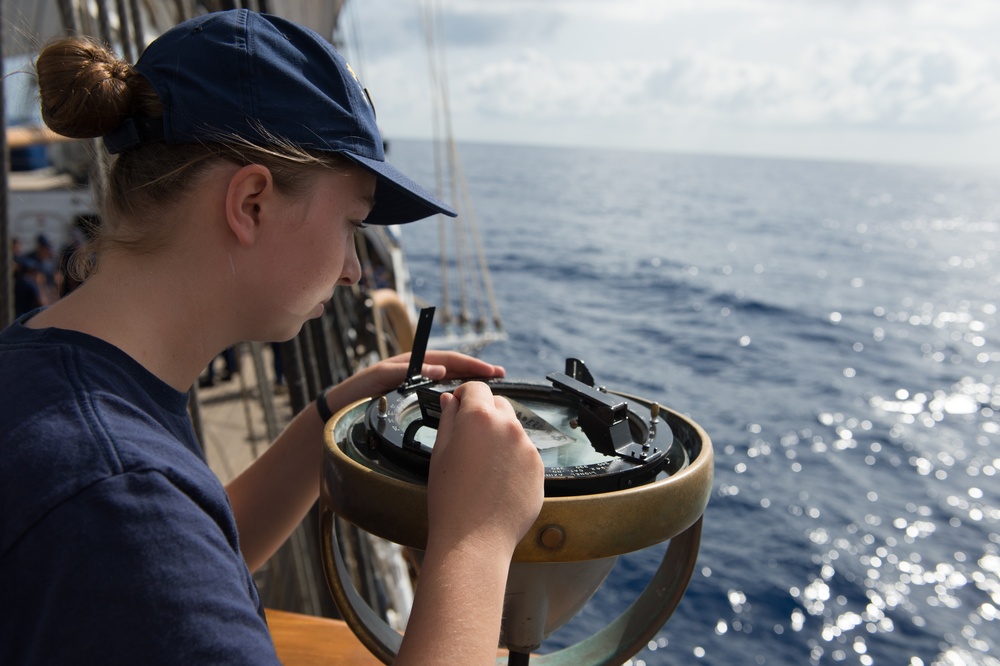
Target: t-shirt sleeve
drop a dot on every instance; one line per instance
(129, 571)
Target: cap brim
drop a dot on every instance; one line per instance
(398, 199)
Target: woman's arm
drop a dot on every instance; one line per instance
(272, 496)
(484, 492)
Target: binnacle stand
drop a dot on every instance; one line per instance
(621, 474)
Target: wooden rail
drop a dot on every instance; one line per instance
(24, 136)
(304, 640)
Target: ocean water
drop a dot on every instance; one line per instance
(834, 328)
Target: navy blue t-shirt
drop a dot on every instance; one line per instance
(117, 542)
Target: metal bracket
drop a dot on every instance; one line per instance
(414, 372)
(603, 417)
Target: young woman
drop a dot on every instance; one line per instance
(247, 158)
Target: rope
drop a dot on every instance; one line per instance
(474, 284)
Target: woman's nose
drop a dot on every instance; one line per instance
(351, 272)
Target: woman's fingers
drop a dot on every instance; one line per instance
(440, 364)
(486, 475)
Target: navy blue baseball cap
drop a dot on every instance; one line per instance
(261, 77)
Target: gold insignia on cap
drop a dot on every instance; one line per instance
(351, 70)
(363, 89)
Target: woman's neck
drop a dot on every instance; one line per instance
(168, 321)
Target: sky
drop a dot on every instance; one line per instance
(902, 81)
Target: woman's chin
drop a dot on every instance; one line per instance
(290, 325)
(289, 330)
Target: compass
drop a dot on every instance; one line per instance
(622, 473)
(590, 441)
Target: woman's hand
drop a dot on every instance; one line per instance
(485, 483)
(391, 372)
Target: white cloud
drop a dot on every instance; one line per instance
(647, 72)
(915, 85)
(932, 86)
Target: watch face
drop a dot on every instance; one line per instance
(635, 446)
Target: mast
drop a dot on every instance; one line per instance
(6, 260)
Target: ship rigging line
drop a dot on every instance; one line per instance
(472, 269)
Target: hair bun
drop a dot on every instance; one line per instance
(85, 89)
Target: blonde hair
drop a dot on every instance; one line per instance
(87, 91)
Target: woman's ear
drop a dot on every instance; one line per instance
(249, 190)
